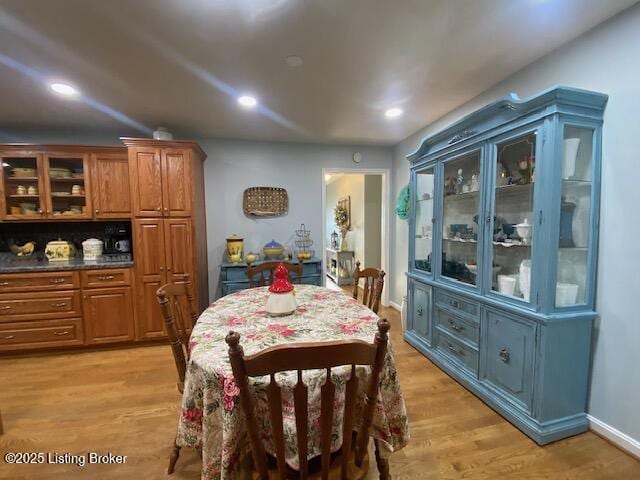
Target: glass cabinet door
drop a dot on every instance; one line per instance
(67, 189)
(423, 242)
(575, 217)
(512, 220)
(460, 226)
(22, 187)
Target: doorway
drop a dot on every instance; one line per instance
(365, 195)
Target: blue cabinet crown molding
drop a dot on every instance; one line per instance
(509, 108)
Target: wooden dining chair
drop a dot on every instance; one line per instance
(176, 304)
(352, 460)
(373, 285)
(269, 268)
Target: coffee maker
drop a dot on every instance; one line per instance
(117, 239)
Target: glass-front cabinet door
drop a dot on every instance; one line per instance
(23, 187)
(512, 219)
(575, 217)
(461, 226)
(68, 194)
(424, 219)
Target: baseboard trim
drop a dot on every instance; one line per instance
(615, 436)
(395, 306)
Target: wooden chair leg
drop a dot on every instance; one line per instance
(173, 458)
(382, 463)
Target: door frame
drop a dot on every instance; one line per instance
(385, 254)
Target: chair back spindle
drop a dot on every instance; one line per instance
(373, 286)
(310, 356)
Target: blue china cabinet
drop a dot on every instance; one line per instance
(502, 255)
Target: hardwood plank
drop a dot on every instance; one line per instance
(125, 402)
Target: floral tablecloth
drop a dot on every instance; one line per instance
(211, 414)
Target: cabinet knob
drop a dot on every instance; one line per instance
(505, 356)
(162, 269)
(59, 304)
(453, 349)
(4, 284)
(419, 310)
(5, 307)
(166, 209)
(8, 337)
(97, 211)
(40, 211)
(168, 269)
(66, 332)
(57, 280)
(159, 209)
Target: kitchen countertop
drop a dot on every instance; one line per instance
(9, 263)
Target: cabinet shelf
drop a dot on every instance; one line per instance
(67, 179)
(21, 179)
(25, 197)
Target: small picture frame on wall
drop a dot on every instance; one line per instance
(345, 202)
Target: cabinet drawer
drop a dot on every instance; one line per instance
(457, 351)
(457, 304)
(458, 327)
(40, 334)
(116, 277)
(41, 281)
(420, 320)
(39, 305)
(509, 357)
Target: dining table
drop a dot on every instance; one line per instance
(211, 416)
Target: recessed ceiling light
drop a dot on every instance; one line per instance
(294, 61)
(247, 101)
(393, 113)
(63, 89)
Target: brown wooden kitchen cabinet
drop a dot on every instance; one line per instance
(164, 253)
(111, 186)
(108, 315)
(167, 186)
(161, 181)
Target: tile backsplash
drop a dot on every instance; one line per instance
(43, 232)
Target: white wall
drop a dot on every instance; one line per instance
(607, 60)
(372, 221)
(233, 165)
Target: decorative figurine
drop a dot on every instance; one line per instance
(281, 300)
(475, 182)
(459, 182)
(525, 168)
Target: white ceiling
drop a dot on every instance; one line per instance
(181, 63)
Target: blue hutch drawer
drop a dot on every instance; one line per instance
(509, 357)
(458, 352)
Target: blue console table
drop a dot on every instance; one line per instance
(234, 275)
(503, 233)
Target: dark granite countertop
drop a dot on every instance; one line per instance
(9, 263)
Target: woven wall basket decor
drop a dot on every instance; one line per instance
(265, 202)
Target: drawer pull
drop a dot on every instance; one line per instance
(8, 337)
(57, 280)
(455, 350)
(4, 284)
(455, 327)
(60, 334)
(5, 307)
(419, 310)
(454, 303)
(106, 277)
(505, 356)
(59, 304)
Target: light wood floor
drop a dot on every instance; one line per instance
(125, 402)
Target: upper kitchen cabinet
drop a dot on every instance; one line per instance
(110, 185)
(22, 187)
(67, 185)
(162, 176)
(64, 182)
